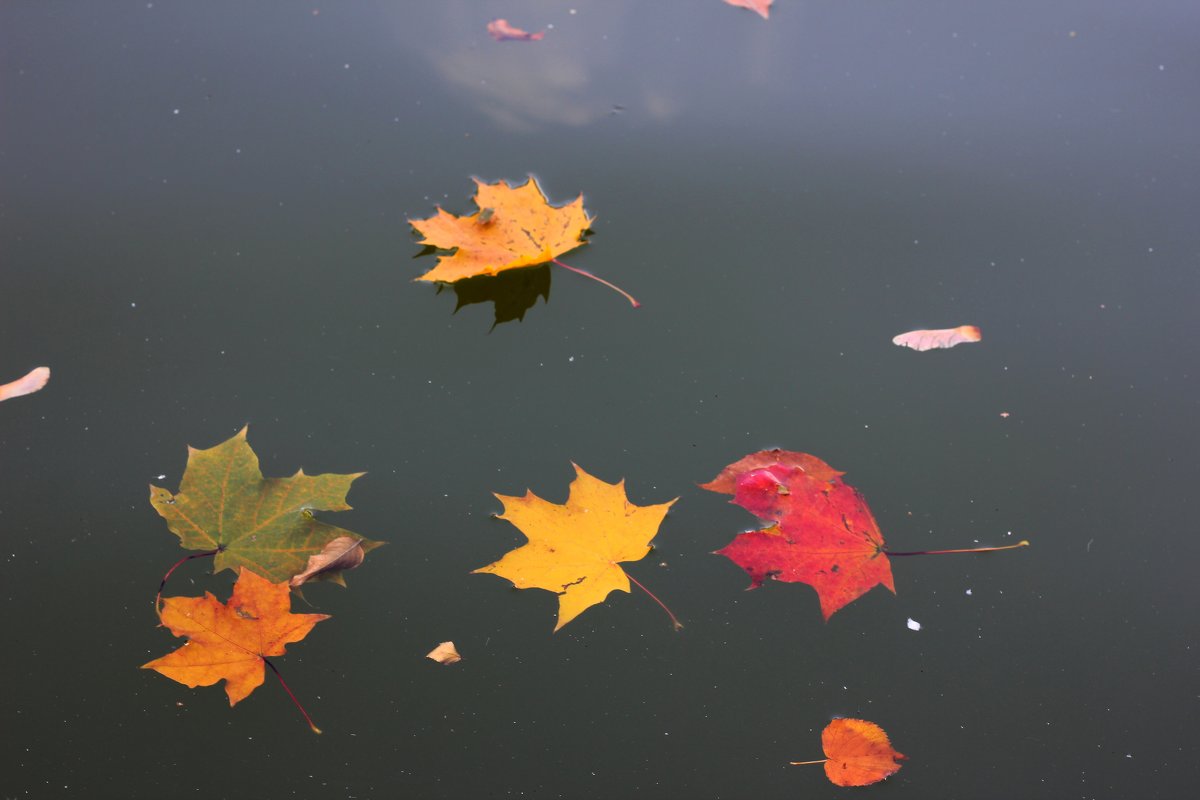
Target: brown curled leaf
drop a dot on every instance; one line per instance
(339, 555)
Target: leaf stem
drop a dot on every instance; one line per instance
(1022, 543)
(800, 763)
(674, 620)
(283, 683)
(163, 583)
(587, 274)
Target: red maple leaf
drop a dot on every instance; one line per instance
(823, 533)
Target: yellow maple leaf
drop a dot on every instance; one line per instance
(574, 548)
(514, 227)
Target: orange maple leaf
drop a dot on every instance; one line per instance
(515, 227)
(857, 753)
(230, 641)
(574, 548)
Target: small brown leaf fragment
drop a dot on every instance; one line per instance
(444, 653)
(339, 555)
(29, 383)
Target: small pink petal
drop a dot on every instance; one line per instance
(500, 30)
(27, 384)
(760, 7)
(941, 338)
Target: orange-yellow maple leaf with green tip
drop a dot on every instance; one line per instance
(227, 641)
(515, 227)
(574, 548)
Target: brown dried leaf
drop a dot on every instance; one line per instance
(339, 555)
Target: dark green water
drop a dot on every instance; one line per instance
(202, 225)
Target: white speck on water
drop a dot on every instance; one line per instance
(345, 66)
(572, 358)
(133, 305)
(176, 111)
(161, 477)
(913, 625)
(968, 592)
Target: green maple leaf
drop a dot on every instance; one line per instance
(265, 524)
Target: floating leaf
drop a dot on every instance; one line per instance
(342, 554)
(823, 533)
(941, 338)
(500, 30)
(230, 641)
(28, 383)
(574, 549)
(813, 467)
(760, 7)
(444, 653)
(857, 753)
(515, 227)
(224, 505)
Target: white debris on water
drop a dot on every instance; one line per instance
(913, 625)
